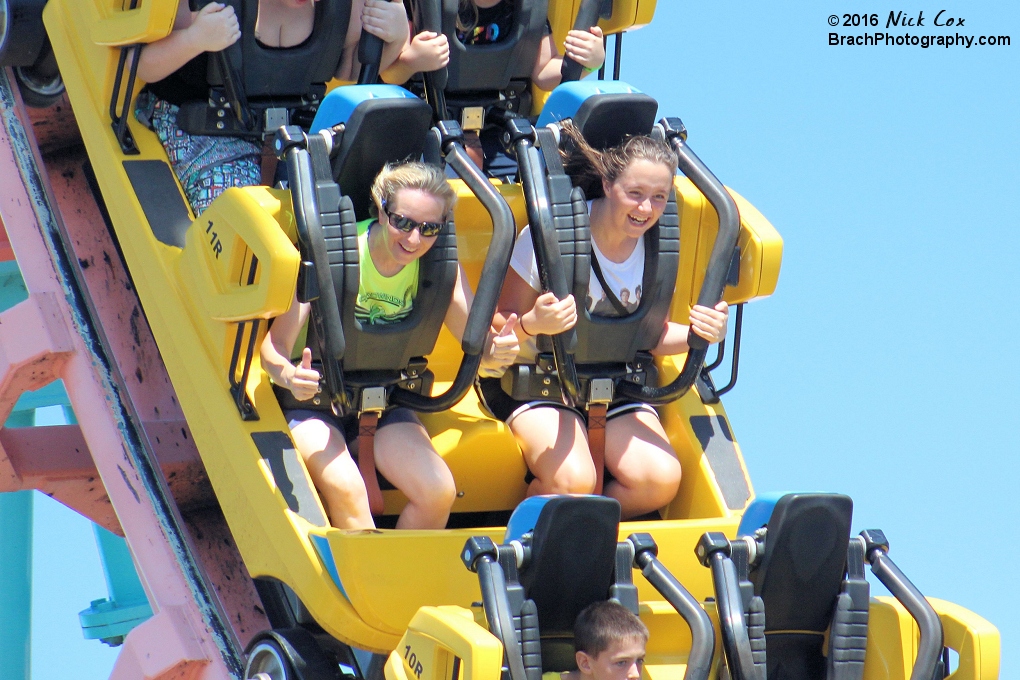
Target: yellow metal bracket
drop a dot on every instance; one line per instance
(117, 27)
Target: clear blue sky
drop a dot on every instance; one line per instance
(884, 366)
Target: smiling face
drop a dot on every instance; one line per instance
(623, 660)
(393, 249)
(635, 201)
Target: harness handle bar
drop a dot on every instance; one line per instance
(587, 16)
(547, 253)
(370, 49)
(928, 665)
(429, 18)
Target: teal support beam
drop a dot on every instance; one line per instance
(15, 585)
(15, 532)
(110, 619)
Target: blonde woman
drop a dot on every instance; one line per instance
(413, 202)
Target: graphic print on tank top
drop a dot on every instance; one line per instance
(493, 25)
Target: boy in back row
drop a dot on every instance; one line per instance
(610, 643)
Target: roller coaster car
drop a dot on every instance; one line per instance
(207, 287)
(794, 603)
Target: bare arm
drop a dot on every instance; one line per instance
(210, 30)
(538, 314)
(387, 20)
(427, 51)
(277, 347)
(501, 348)
(706, 322)
(584, 47)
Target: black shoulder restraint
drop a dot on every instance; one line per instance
(610, 295)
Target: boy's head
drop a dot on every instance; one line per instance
(609, 642)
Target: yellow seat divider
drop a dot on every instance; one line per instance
(238, 262)
(438, 635)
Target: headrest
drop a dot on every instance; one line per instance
(573, 553)
(804, 564)
(605, 111)
(384, 124)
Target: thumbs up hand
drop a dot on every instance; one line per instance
(304, 380)
(503, 347)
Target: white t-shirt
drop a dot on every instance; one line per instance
(624, 278)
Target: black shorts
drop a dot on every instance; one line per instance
(504, 407)
(348, 425)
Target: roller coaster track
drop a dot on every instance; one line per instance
(83, 323)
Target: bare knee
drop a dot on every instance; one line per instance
(434, 490)
(659, 482)
(574, 473)
(341, 485)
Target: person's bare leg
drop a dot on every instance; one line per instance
(555, 448)
(334, 473)
(405, 455)
(644, 466)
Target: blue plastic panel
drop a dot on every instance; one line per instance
(567, 98)
(759, 512)
(339, 104)
(525, 517)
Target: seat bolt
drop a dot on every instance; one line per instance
(547, 380)
(219, 125)
(545, 393)
(221, 113)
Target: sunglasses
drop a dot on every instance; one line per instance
(407, 225)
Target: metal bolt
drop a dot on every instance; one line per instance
(219, 125)
(221, 113)
(545, 393)
(317, 401)
(546, 381)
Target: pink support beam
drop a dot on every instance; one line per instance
(191, 635)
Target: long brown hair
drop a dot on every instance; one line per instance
(588, 166)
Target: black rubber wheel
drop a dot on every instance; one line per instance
(38, 92)
(290, 654)
(267, 661)
(22, 33)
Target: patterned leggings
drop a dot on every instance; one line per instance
(206, 166)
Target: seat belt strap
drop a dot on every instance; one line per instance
(367, 424)
(597, 441)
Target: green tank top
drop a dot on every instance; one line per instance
(382, 299)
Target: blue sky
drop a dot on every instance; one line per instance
(884, 367)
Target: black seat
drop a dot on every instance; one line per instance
(606, 120)
(378, 131)
(573, 553)
(799, 580)
(558, 557)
